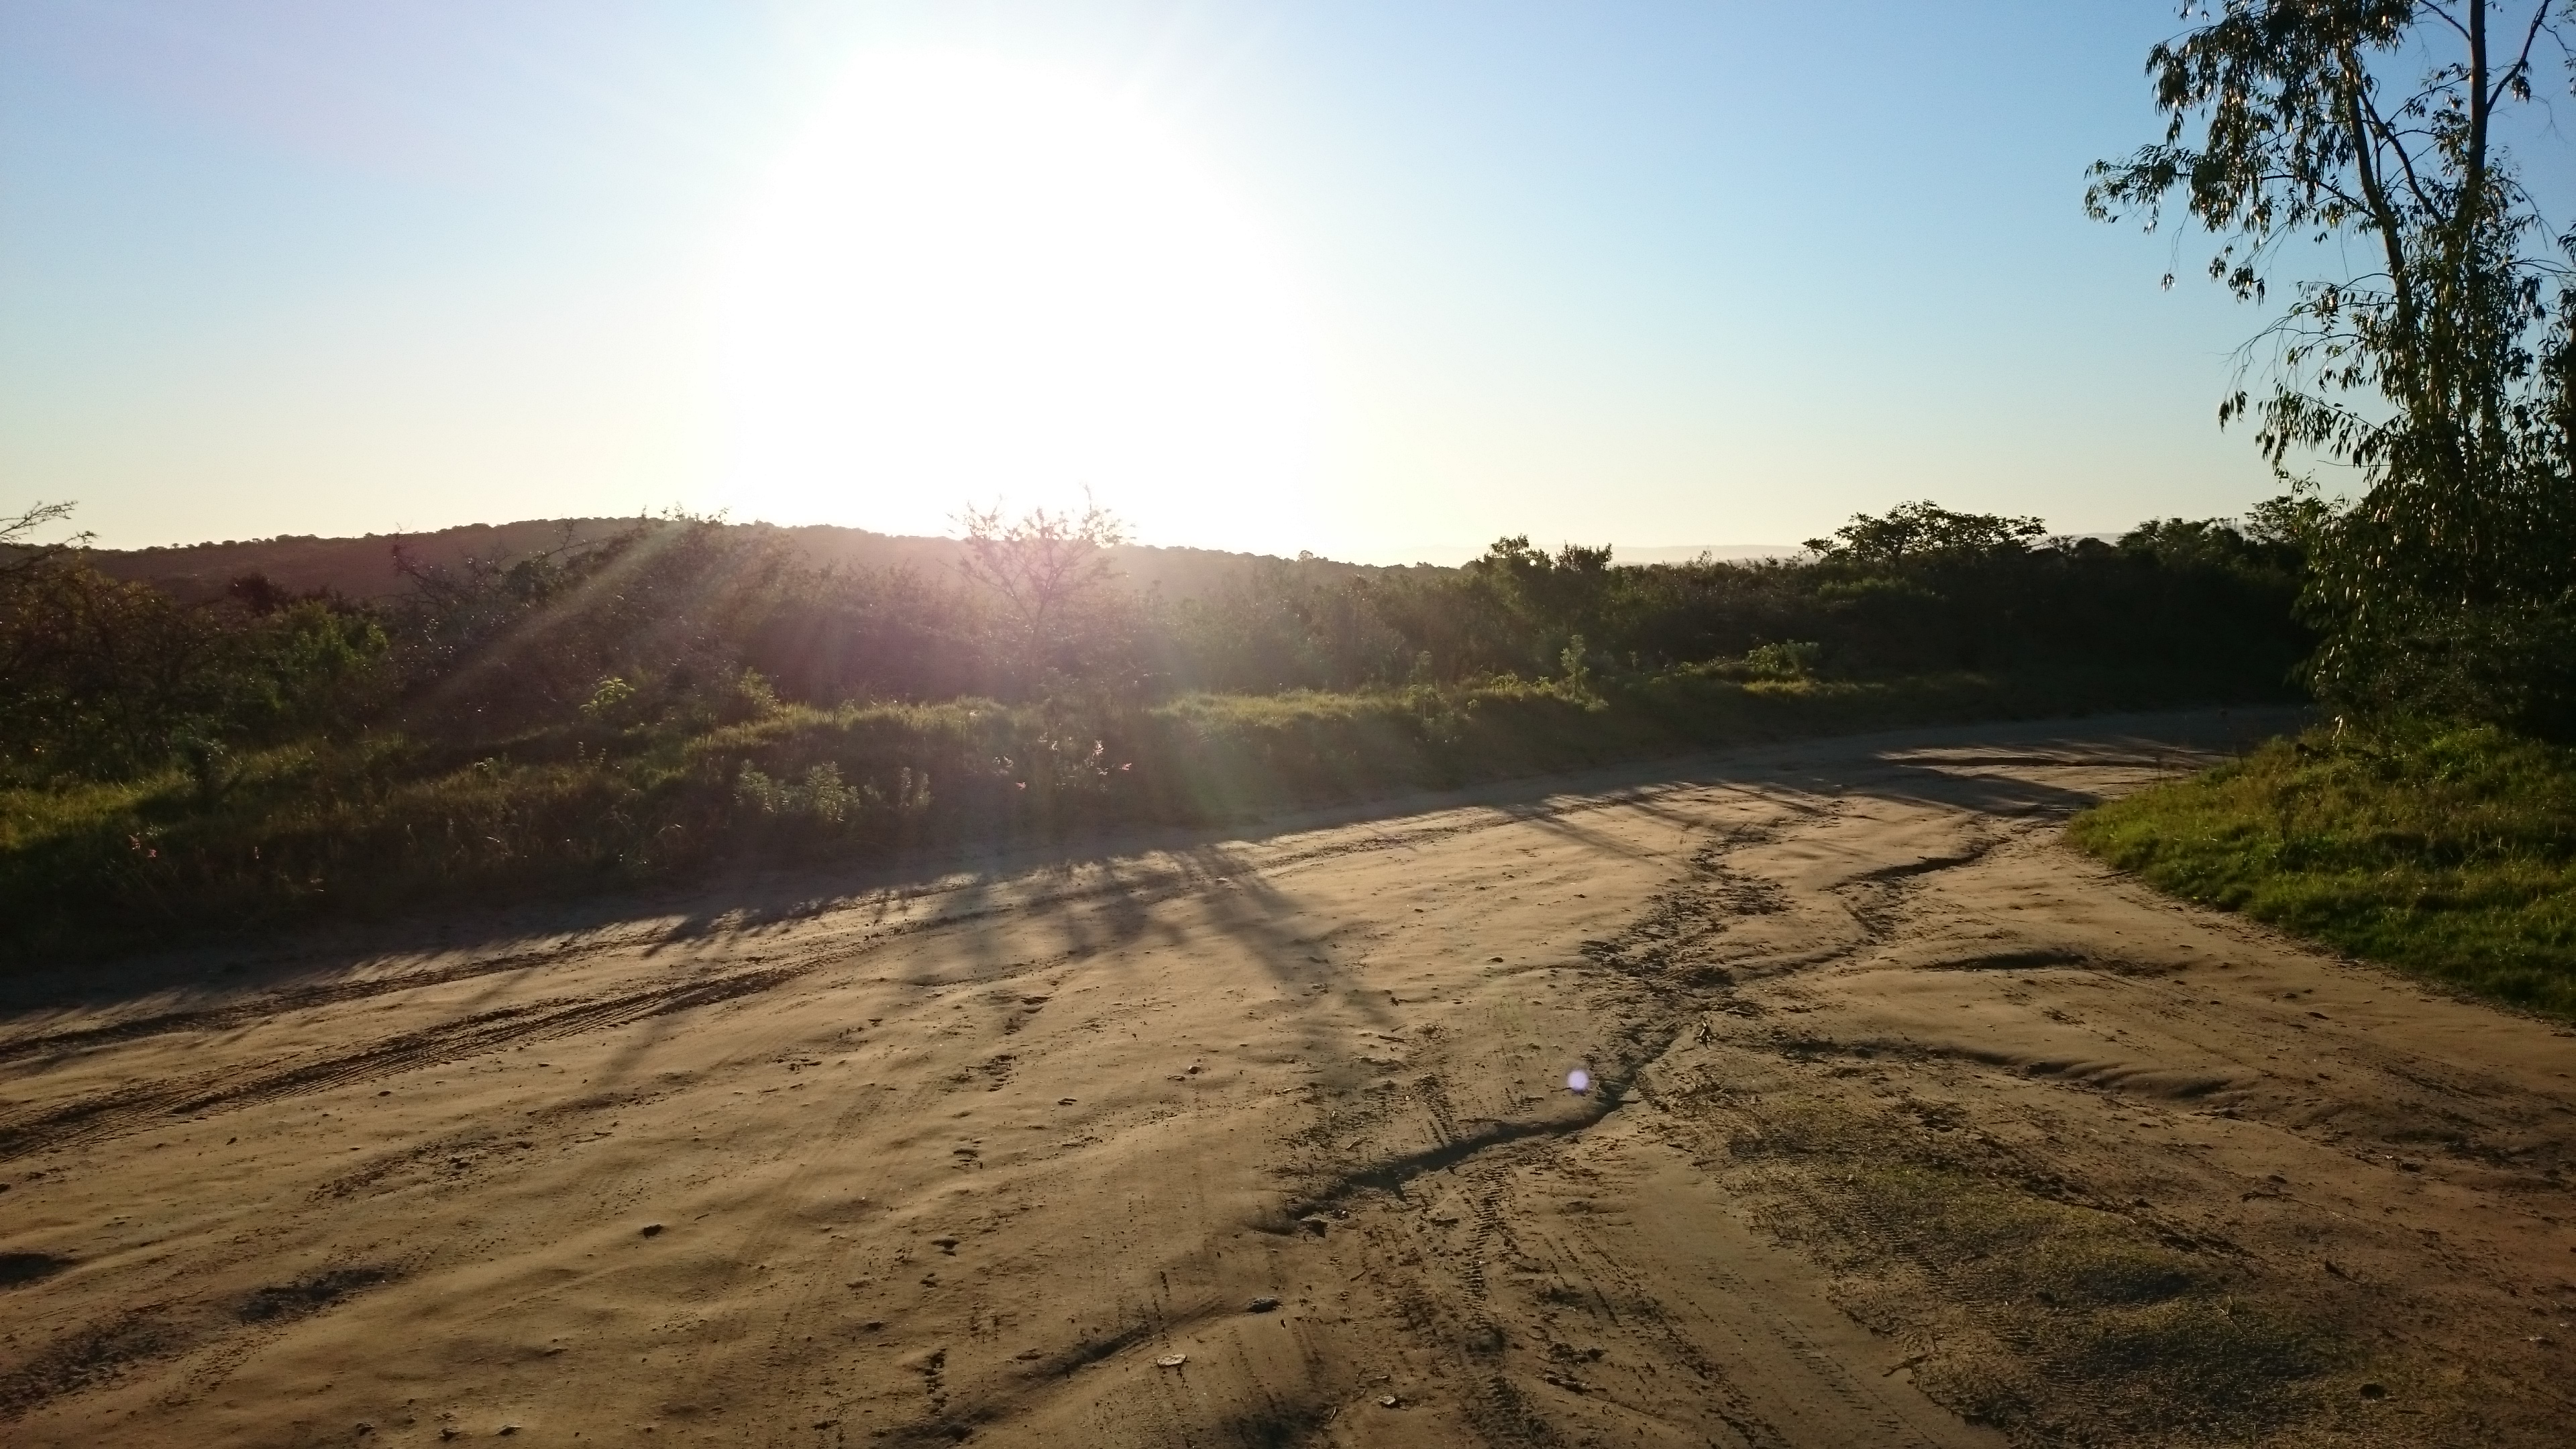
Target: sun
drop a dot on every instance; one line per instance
(974, 278)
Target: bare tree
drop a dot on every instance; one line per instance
(1048, 568)
(19, 554)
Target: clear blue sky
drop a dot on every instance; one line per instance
(1379, 279)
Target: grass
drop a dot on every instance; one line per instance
(2450, 853)
(387, 822)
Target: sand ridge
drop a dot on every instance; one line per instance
(1911, 1127)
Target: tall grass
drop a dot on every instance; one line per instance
(2448, 852)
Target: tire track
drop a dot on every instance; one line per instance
(110, 1114)
(100, 1352)
(256, 1009)
(1657, 953)
(1198, 870)
(1665, 960)
(1189, 872)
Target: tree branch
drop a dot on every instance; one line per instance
(2365, 168)
(2522, 61)
(2379, 132)
(2445, 15)
(2473, 195)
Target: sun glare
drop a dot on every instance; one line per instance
(974, 279)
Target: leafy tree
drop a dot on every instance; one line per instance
(2443, 371)
(106, 678)
(1927, 530)
(1548, 599)
(1923, 582)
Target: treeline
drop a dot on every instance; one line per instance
(686, 624)
(684, 693)
(1922, 589)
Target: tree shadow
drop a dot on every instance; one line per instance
(1957, 767)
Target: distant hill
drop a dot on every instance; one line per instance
(363, 567)
(1693, 552)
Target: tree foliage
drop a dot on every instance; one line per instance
(1914, 531)
(674, 627)
(2441, 371)
(105, 678)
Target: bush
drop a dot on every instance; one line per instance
(627, 706)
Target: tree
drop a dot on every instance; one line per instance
(1049, 571)
(20, 555)
(2442, 371)
(1914, 531)
(1544, 600)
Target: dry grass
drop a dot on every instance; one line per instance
(2059, 1322)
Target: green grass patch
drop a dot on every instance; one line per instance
(2448, 853)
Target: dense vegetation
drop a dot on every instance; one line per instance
(685, 691)
(2436, 361)
(2432, 826)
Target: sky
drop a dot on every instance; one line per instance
(1379, 279)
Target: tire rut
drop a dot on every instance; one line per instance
(111, 1114)
(1657, 951)
(268, 1004)
(1150, 887)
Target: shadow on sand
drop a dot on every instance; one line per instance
(43, 1011)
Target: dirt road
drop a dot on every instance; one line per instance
(1907, 1126)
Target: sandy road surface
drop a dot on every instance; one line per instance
(1913, 1128)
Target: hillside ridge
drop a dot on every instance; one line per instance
(363, 567)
